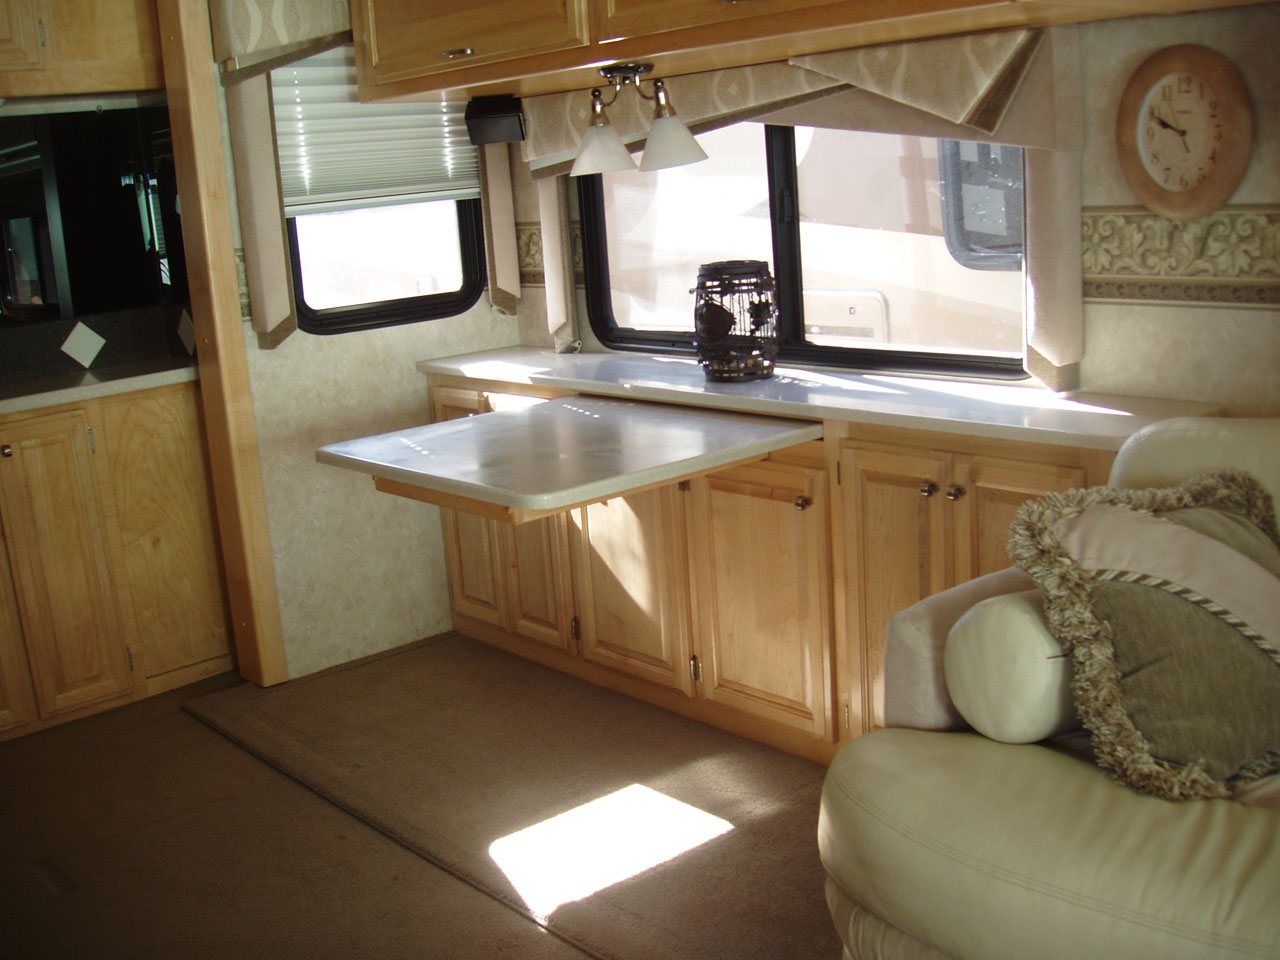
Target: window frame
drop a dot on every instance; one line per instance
(388, 313)
(783, 206)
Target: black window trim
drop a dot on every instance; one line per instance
(388, 313)
(780, 153)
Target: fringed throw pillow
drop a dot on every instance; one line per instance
(1168, 601)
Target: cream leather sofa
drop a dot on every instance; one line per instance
(938, 841)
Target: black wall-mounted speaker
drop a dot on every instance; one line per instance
(495, 120)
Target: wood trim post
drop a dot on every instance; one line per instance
(236, 472)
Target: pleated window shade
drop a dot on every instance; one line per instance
(338, 153)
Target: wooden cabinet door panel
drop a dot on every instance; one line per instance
(896, 552)
(630, 573)
(162, 511)
(17, 699)
(539, 590)
(620, 19)
(473, 555)
(993, 490)
(20, 46)
(761, 587)
(404, 38)
(58, 553)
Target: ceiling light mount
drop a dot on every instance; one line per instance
(669, 144)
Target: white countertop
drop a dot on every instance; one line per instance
(88, 384)
(562, 453)
(1014, 411)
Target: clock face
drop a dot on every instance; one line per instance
(1179, 132)
(1184, 131)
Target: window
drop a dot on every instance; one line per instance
(382, 201)
(368, 267)
(889, 252)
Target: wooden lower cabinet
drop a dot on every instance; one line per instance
(761, 598)
(57, 543)
(632, 598)
(918, 517)
(757, 597)
(110, 581)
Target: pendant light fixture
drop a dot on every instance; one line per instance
(670, 144)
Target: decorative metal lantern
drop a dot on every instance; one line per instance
(735, 319)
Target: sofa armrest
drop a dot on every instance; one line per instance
(915, 687)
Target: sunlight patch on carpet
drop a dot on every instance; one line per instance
(577, 853)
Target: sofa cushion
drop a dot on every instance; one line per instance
(915, 686)
(991, 850)
(1007, 674)
(1168, 601)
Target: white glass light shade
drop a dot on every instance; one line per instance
(670, 144)
(601, 151)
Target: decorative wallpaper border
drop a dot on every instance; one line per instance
(1231, 257)
(529, 253)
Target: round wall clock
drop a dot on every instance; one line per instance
(1184, 131)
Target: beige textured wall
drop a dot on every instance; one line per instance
(357, 571)
(1226, 354)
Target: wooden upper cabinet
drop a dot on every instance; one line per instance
(621, 19)
(402, 39)
(20, 46)
(80, 46)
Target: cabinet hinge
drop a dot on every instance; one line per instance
(695, 669)
(40, 29)
(128, 653)
(846, 716)
(839, 474)
(93, 444)
(575, 629)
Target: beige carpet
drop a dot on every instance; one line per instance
(451, 745)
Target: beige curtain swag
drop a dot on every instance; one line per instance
(243, 28)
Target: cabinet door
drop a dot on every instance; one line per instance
(161, 517)
(399, 39)
(89, 46)
(761, 581)
(20, 46)
(990, 491)
(17, 699)
(619, 19)
(630, 570)
(57, 550)
(538, 586)
(896, 552)
(473, 545)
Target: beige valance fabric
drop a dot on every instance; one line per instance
(242, 27)
(704, 101)
(968, 80)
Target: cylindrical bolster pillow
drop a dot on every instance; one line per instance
(1006, 673)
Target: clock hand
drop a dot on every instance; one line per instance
(1169, 126)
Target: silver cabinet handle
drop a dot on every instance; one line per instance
(6, 451)
(954, 492)
(803, 503)
(455, 54)
(928, 488)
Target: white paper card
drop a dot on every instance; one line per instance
(83, 345)
(187, 332)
